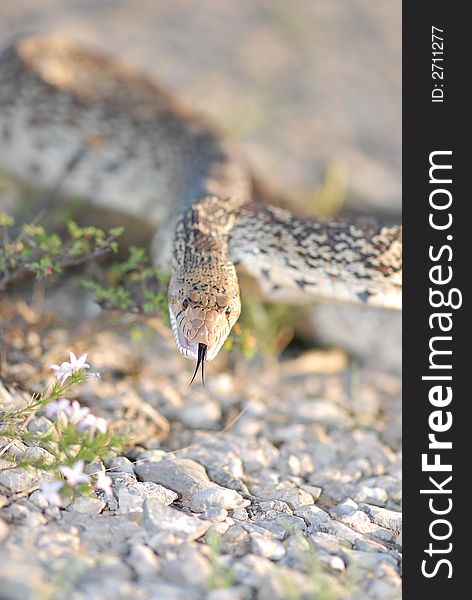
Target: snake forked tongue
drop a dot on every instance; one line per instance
(202, 350)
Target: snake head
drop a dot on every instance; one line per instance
(202, 316)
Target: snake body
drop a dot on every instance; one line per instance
(72, 117)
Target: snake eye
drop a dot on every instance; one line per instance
(185, 302)
(228, 311)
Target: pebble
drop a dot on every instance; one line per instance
(131, 494)
(216, 498)
(204, 415)
(160, 518)
(236, 541)
(143, 560)
(17, 479)
(240, 514)
(293, 497)
(389, 519)
(263, 545)
(39, 424)
(348, 512)
(215, 514)
(119, 464)
(313, 490)
(188, 567)
(182, 475)
(314, 516)
(87, 505)
(336, 563)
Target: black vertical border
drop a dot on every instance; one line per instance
(427, 127)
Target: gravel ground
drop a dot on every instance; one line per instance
(278, 480)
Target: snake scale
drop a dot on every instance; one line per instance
(110, 134)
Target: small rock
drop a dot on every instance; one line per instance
(215, 514)
(313, 515)
(93, 468)
(292, 496)
(104, 532)
(159, 518)
(216, 497)
(266, 546)
(39, 425)
(221, 384)
(319, 411)
(236, 541)
(282, 525)
(190, 480)
(367, 545)
(182, 475)
(34, 520)
(253, 571)
(37, 500)
(347, 512)
(36, 454)
(372, 495)
(344, 509)
(119, 464)
(240, 514)
(53, 547)
(87, 504)
(329, 543)
(204, 415)
(369, 561)
(336, 563)
(313, 490)
(343, 532)
(17, 479)
(143, 560)
(189, 567)
(389, 519)
(132, 494)
(17, 511)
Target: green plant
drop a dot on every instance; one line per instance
(263, 328)
(74, 436)
(32, 250)
(219, 577)
(133, 285)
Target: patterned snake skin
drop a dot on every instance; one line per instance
(110, 134)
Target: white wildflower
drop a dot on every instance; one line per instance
(76, 412)
(53, 409)
(63, 407)
(67, 369)
(78, 363)
(62, 371)
(103, 483)
(75, 474)
(93, 423)
(49, 491)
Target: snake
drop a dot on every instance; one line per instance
(109, 133)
